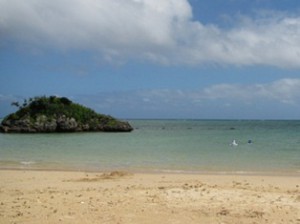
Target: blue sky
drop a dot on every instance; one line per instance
(216, 59)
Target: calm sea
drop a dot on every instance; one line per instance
(163, 146)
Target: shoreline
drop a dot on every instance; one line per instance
(158, 171)
(28, 196)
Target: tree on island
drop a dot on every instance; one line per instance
(58, 114)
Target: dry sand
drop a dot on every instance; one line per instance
(119, 197)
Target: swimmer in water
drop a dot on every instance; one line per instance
(234, 143)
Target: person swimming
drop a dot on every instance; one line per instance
(234, 143)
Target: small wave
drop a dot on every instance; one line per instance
(27, 163)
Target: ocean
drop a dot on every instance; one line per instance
(179, 146)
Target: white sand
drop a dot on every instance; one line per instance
(75, 197)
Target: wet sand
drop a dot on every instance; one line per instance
(120, 197)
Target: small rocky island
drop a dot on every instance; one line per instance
(58, 114)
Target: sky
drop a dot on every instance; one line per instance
(175, 59)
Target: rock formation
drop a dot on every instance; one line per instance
(55, 114)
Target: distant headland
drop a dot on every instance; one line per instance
(58, 114)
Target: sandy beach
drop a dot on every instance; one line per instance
(121, 197)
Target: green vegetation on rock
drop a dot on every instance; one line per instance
(58, 114)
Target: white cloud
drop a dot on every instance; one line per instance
(246, 101)
(285, 92)
(115, 28)
(162, 31)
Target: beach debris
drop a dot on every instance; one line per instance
(115, 174)
(104, 176)
(223, 212)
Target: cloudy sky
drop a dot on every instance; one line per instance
(206, 59)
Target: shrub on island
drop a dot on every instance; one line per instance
(58, 114)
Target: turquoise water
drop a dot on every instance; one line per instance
(163, 145)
